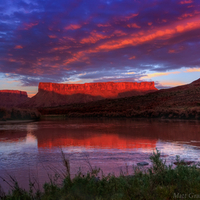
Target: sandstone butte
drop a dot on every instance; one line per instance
(103, 89)
(55, 94)
(12, 98)
(17, 92)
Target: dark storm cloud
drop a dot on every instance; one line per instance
(55, 40)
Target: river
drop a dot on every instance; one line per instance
(33, 150)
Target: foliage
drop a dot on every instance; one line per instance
(175, 103)
(159, 182)
(18, 114)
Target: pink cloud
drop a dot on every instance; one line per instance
(103, 25)
(171, 51)
(93, 38)
(134, 25)
(162, 33)
(131, 16)
(131, 58)
(73, 27)
(52, 36)
(186, 1)
(18, 47)
(30, 25)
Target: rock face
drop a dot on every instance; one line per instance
(181, 102)
(12, 98)
(54, 94)
(103, 89)
(16, 92)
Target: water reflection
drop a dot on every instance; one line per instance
(109, 144)
(108, 141)
(103, 133)
(119, 134)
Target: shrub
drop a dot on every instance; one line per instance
(159, 182)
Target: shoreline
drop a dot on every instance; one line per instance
(192, 113)
(16, 121)
(159, 182)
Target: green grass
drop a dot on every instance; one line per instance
(158, 182)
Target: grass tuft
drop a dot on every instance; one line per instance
(159, 182)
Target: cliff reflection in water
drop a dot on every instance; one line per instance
(65, 134)
(118, 134)
(108, 143)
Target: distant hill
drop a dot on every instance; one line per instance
(54, 94)
(9, 101)
(179, 102)
(12, 98)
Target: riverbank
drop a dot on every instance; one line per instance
(189, 113)
(8, 115)
(15, 121)
(158, 182)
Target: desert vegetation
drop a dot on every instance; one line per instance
(158, 182)
(18, 114)
(171, 103)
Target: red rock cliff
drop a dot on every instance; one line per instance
(12, 98)
(54, 94)
(104, 89)
(17, 92)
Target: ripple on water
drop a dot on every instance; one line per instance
(36, 147)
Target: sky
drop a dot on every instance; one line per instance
(79, 41)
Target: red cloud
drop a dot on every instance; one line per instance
(94, 37)
(131, 58)
(133, 25)
(103, 25)
(73, 27)
(52, 36)
(163, 33)
(141, 37)
(186, 2)
(18, 47)
(30, 25)
(186, 15)
(119, 33)
(131, 16)
(171, 51)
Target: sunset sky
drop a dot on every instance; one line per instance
(78, 41)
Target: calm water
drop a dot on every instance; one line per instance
(34, 149)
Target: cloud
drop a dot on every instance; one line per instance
(171, 51)
(94, 37)
(186, 2)
(193, 70)
(103, 25)
(133, 57)
(18, 47)
(162, 33)
(134, 25)
(52, 36)
(26, 26)
(73, 27)
(130, 73)
(55, 42)
(156, 74)
(131, 16)
(171, 83)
